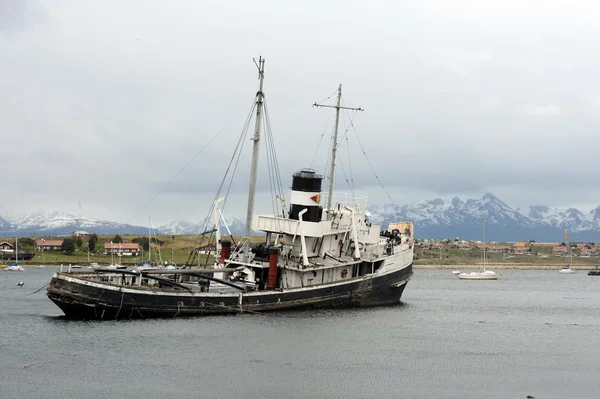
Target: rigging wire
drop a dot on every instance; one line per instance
(278, 184)
(269, 163)
(339, 143)
(233, 161)
(320, 140)
(181, 170)
(240, 144)
(369, 162)
(331, 95)
(351, 118)
(326, 168)
(345, 175)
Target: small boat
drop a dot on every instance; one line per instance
(482, 275)
(14, 267)
(566, 269)
(456, 272)
(595, 272)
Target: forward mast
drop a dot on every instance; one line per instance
(334, 145)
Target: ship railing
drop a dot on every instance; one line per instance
(355, 201)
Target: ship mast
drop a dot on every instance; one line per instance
(335, 137)
(255, 150)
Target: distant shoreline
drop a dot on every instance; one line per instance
(416, 267)
(491, 266)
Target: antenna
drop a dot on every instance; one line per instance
(335, 136)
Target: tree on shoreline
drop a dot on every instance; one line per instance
(68, 246)
(92, 242)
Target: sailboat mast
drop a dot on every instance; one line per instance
(149, 243)
(484, 245)
(334, 143)
(255, 151)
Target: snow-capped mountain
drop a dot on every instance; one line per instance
(60, 223)
(235, 225)
(435, 218)
(440, 218)
(180, 227)
(439, 212)
(571, 218)
(4, 224)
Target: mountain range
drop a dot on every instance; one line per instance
(440, 218)
(436, 218)
(55, 223)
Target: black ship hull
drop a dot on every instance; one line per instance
(81, 299)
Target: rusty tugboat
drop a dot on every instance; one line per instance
(311, 257)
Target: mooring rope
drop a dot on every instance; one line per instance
(36, 291)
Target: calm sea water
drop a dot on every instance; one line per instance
(530, 333)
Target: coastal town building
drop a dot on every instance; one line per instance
(520, 250)
(499, 249)
(6, 247)
(121, 248)
(588, 251)
(560, 250)
(48, 245)
(81, 233)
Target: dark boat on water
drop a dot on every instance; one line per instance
(311, 256)
(595, 272)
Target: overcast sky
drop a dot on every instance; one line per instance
(104, 102)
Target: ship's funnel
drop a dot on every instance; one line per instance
(306, 194)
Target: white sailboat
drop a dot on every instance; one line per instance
(113, 265)
(481, 274)
(15, 267)
(147, 264)
(566, 269)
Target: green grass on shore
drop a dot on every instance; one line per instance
(177, 249)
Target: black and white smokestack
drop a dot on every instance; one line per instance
(306, 194)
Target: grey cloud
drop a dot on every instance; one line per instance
(12, 14)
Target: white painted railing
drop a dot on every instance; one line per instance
(356, 201)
